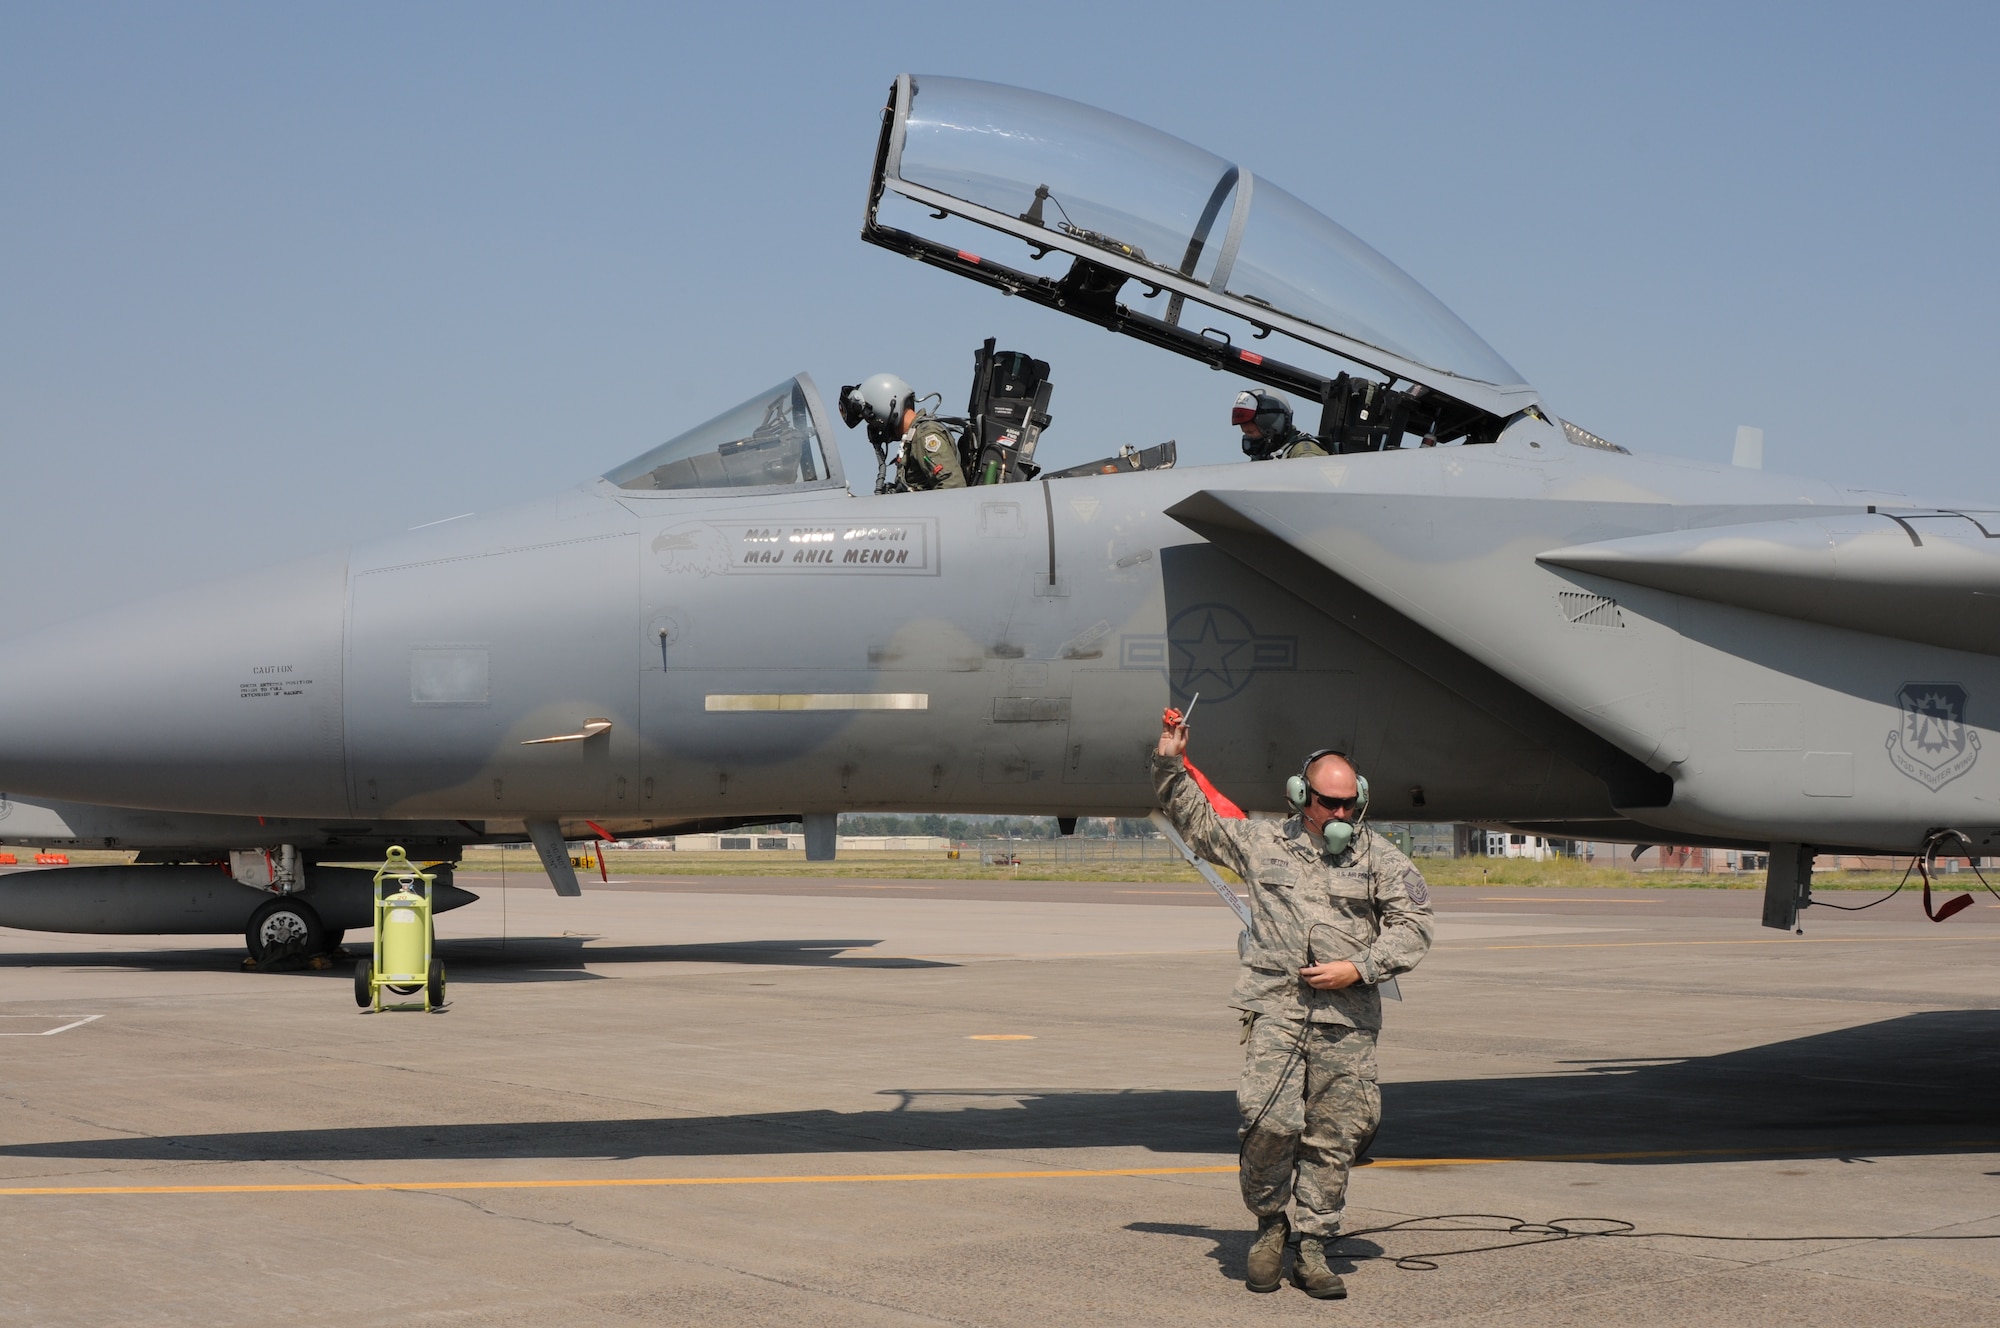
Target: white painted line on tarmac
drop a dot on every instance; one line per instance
(49, 1032)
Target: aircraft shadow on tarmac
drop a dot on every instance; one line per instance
(562, 958)
(1920, 1083)
(520, 959)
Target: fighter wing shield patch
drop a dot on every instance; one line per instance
(1932, 744)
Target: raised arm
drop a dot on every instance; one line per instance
(1215, 839)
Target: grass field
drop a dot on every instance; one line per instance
(1038, 863)
(1112, 860)
(1102, 860)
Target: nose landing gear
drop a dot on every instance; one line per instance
(284, 929)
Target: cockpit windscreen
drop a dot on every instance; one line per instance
(771, 439)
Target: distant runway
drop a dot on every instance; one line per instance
(744, 1101)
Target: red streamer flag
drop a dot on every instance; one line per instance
(1170, 719)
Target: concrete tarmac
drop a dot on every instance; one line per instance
(738, 1101)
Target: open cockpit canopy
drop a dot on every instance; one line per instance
(776, 439)
(1136, 207)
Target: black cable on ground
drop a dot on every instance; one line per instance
(1856, 908)
(1567, 1229)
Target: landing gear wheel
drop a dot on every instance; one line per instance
(284, 929)
(364, 983)
(332, 942)
(434, 989)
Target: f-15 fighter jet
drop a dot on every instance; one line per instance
(1503, 617)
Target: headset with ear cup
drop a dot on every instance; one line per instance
(1338, 834)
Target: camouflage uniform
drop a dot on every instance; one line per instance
(1293, 443)
(1308, 1097)
(930, 456)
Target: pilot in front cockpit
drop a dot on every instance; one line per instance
(1268, 431)
(927, 456)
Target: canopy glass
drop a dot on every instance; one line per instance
(1058, 173)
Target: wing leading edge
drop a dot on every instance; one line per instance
(1918, 575)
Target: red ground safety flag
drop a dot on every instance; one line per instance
(1224, 808)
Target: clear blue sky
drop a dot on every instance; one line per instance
(276, 277)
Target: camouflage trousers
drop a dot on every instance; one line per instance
(1309, 1103)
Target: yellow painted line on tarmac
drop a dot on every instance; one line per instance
(957, 955)
(1511, 899)
(1775, 940)
(611, 1182)
(655, 1183)
(660, 1182)
(1811, 1150)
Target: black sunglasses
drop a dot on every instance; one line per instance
(1334, 804)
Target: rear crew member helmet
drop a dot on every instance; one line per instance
(1266, 421)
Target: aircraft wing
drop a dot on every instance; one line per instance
(1371, 563)
(1582, 643)
(1919, 575)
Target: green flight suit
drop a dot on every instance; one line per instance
(930, 456)
(1302, 445)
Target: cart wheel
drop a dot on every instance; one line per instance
(283, 928)
(434, 990)
(364, 983)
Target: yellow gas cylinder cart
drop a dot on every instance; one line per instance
(403, 939)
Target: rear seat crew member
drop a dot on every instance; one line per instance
(1268, 431)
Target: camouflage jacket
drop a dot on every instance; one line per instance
(1297, 443)
(1369, 906)
(930, 456)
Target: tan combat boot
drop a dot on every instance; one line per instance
(1267, 1253)
(1310, 1273)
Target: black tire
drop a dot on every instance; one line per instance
(364, 983)
(332, 942)
(434, 990)
(284, 929)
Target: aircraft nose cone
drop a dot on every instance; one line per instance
(225, 698)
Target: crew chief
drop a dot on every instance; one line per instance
(1337, 908)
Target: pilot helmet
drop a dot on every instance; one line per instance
(1272, 415)
(881, 401)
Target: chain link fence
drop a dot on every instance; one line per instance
(1073, 853)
